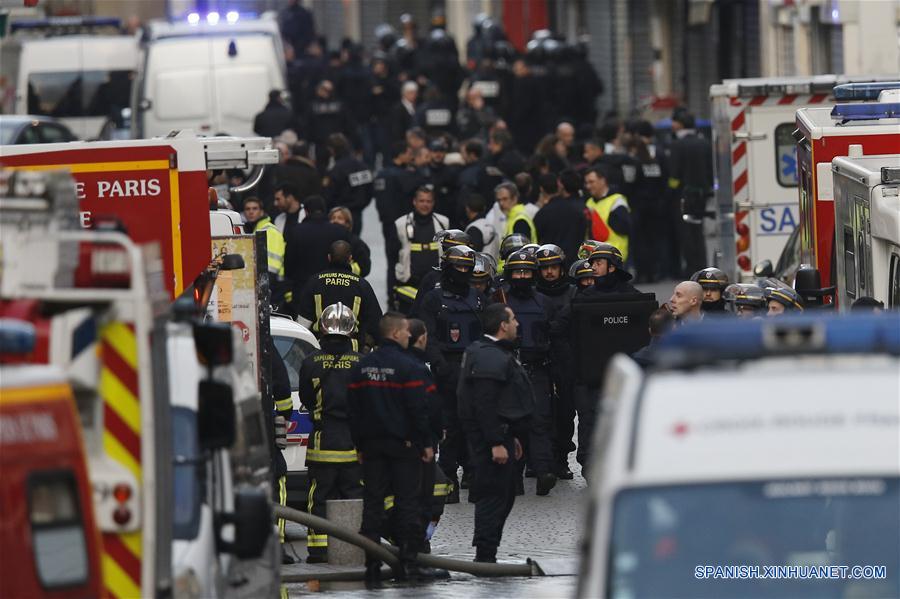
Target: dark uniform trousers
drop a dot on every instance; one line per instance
(391, 465)
(540, 434)
(453, 449)
(587, 400)
(495, 488)
(563, 417)
(329, 481)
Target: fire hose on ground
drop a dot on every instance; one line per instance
(388, 554)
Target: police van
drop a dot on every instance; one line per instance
(756, 459)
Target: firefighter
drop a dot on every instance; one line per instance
(283, 405)
(781, 300)
(390, 429)
(334, 472)
(533, 313)
(495, 404)
(256, 219)
(611, 208)
(714, 282)
(445, 239)
(349, 182)
(419, 253)
(451, 315)
(338, 283)
(559, 291)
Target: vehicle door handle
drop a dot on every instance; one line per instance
(747, 136)
(145, 104)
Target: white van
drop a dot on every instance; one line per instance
(212, 75)
(763, 460)
(82, 80)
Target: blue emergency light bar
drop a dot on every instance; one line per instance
(724, 338)
(862, 91)
(16, 336)
(865, 112)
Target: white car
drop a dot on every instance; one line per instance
(751, 469)
(294, 342)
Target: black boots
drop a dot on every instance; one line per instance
(373, 575)
(486, 555)
(453, 496)
(545, 482)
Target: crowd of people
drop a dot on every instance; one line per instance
(502, 204)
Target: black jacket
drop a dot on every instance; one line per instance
(273, 120)
(350, 184)
(387, 398)
(435, 418)
(494, 390)
(323, 380)
(562, 221)
(301, 173)
(362, 255)
(338, 284)
(307, 246)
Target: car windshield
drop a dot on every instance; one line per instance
(292, 351)
(666, 539)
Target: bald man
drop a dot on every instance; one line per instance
(686, 301)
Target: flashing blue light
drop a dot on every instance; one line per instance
(865, 112)
(232, 16)
(16, 336)
(212, 18)
(862, 91)
(193, 18)
(716, 339)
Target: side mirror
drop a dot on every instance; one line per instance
(213, 342)
(232, 262)
(764, 269)
(215, 415)
(252, 519)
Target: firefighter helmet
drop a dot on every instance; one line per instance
(337, 319)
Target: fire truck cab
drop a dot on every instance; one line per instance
(867, 228)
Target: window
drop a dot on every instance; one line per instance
(861, 252)
(293, 351)
(849, 262)
(894, 282)
(786, 155)
(52, 134)
(79, 93)
(57, 530)
(188, 469)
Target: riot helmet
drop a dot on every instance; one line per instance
(713, 281)
(459, 257)
(519, 272)
(550, 254)
(612, 255)
(585, 249)
(484, 272)
(531, 248)
(512, 243)
(582, 273)
(449, 238)
(744, 299)
(337, 319)
(782, 299)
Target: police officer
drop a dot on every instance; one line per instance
(419, 253)
(558, 292)
(389, 424)
(483, 275)
(533, 313)
(495, 405)
(445, 239)
(510, 244)
(745, 300)
(610, 275)
(444, 178)
(394, 188)
(451, 315)
(714, 282)
(782, 299)
(349, 180)
(336, 284)
(334, 472)
(583, 275)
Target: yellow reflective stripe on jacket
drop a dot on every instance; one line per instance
(424, 247)
(518, 213)
(275, 246)
(357, 302)
(603, 208)
(284, 404)
(388, 502)
(331, 456)
(317, 299)
(674, 183)
(354, 268)
(442, 489)
(407, 291)
(316, 540)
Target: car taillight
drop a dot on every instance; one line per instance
(742, 241)
(237, 230)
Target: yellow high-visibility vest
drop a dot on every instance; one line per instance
(603, 207)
